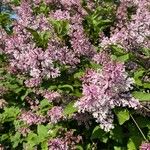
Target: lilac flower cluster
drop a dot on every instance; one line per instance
(57, 144)
(31, 118)
(131, 33)
(68, 142)
(3, 103)
(26, 57)
(103, 90)
(55, 114)
(51, 95)
(145, 146)
(24, 131)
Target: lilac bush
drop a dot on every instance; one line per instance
(75, 74)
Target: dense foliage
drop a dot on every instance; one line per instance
(75, 74)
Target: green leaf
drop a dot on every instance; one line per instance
(66, 86)
(4, 137)
(133, 143)
(42, 132)
(117, 134)
(117, 148)
(61, 27)
(44, 103)
(79, 74)
(25, 94)
(98, 133)
(16, 139)
(122, 115)
(123, 58)
(9, 114)
(137, 77)
(44, 145)
(117, 50)
(78, 147)
(95, 65)
(33, 139)
(70, 109)
(141, 96)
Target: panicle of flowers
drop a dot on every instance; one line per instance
(31, 118)
(24, 54)
(24, 131)
(131, 33)
(101, 57)
(102, 92)
(60, 14)
(68, 141)
(51, 95)
(79, 42)
(33, 82)
(55, 114)
(3, 103)
(57, 144)
(72, 139)
(24, 12)
(145, 146)
(28, 58)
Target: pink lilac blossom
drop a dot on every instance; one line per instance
(24, 12)
(68, 141)
(38, 63)
(79, 42)
(61, 15)
(33, 82)
(102, 92)
(31, 118)
(145, 146)
(55, 114)
(133, 33)
(57, 144)
(24, 131)
(3, 103)
(101, 58)
(51, 95)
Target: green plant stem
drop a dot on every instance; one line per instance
(139, 128)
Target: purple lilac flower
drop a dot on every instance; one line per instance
(55, 114)
(61, 15)
(57, 144)
(3, 103)
(145, 146)
(51, 95)
(101, 93)
(31, 118)
(133, 33)
(33, 82)
(24, 131)
(27, 58)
